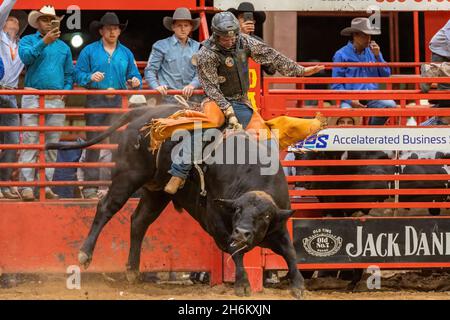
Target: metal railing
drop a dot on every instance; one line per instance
(275, 102)
(41, 164)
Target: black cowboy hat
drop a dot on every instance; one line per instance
(260, 16)
(22, 16)
(109, 19)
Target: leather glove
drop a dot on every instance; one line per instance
(233, 122)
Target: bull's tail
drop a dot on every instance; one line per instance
(123, 120)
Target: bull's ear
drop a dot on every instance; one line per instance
(284, 214)
(225, 203)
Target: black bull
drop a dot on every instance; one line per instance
(242, 209)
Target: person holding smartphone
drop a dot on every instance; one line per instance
(104, 65)
(49, 65)
(361, 49)
(248, 18)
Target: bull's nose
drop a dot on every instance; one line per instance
(241, 234)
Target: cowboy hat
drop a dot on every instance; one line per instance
(22, 17)
(137, 99)
(259, 16)
(333, 121)
(43, 12)
(181, 14)
(108, 19)
(361, 25)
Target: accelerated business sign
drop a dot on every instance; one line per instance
(339, 5)
(372, 240)
(378, 139)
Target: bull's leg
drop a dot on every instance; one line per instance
(123, 186)
(241, 283)
(282, 245)
(148, 210)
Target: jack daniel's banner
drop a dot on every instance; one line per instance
(373, 240)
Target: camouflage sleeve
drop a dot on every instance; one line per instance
(207, 65)
(263, 54)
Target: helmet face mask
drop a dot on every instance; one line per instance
(226, 42)
(225, 24)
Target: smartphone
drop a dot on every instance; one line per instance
(55, 24)
(248, 16)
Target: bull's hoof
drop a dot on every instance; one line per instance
(84, 259)
(298, 293)
(133, 276)
(243, 290)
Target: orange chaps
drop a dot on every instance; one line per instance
(287, 130)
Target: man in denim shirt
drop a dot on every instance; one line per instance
(49, 67)
(104, 64)
(361, 49)
(169, 65)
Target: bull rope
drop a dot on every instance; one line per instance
(202, 179)
(231, 256)
(181, 100)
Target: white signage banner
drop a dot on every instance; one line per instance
(338, 5)
(378, 139)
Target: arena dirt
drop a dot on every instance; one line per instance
(428, 285)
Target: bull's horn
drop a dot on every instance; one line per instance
(225, 203)
(284, 214)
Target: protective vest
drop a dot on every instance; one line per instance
(233, 68)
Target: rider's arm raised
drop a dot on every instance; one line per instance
(263, 54)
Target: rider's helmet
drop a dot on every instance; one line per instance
(225, 24)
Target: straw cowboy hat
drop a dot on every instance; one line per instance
(108, 19)
(45, 11)
(259, 16)
(332, 121)
(22, 17)
(181, 14)
(360, 25)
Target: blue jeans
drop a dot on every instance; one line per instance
(98, 119)
(375, 104)
(8, 137)
(243, 113)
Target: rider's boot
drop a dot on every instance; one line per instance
(174, 184)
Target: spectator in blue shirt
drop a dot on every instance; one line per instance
(170, 63)
(104, 64)
(49, 65)
(361, 49)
